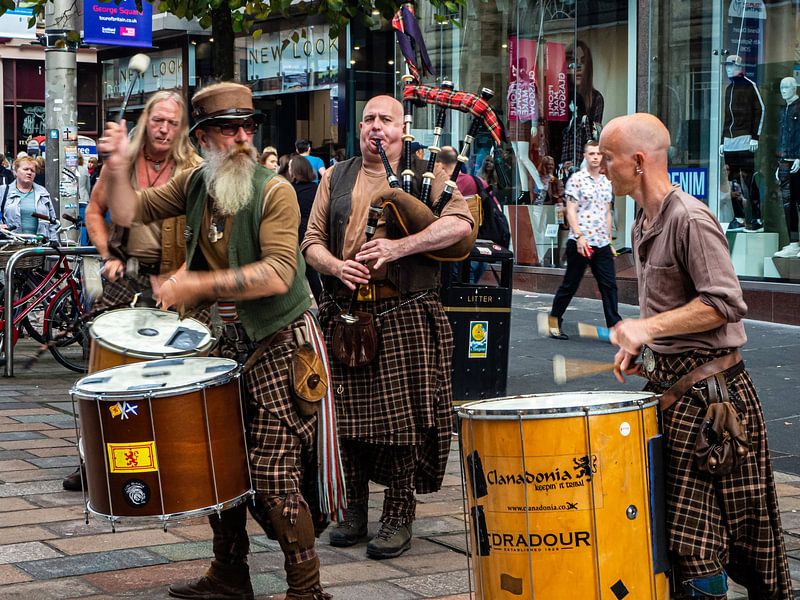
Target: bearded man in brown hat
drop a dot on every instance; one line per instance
(253, 277)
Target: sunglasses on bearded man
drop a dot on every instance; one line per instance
(231, 128)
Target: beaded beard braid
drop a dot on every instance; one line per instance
(224, 170)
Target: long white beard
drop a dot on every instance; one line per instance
(228, 173)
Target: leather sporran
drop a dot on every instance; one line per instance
(309, 379)
(354, 343)
(722, 441)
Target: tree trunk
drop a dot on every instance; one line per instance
(222, 58)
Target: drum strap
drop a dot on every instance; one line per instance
(278, 336)
(704, 371)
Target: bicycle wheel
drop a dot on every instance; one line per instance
(66, 332)
(33, 323)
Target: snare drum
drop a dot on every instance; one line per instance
(565, 495)
(129, 335)
(164, 438)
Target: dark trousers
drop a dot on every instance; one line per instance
(790, 196)
(740, 169)
(602, 266)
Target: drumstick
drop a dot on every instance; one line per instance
(595, 332)
(546, 323)
(567, 369)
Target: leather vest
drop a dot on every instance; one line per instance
(409, 274)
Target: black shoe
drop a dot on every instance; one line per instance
(554, 327)
(736, 225)
(755, 226)
(390, 541)
(72, 482)
(352, 529)
(558, 334)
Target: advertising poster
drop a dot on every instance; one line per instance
(522, 103)
(556, 82)
(746, 20)
(118, 25)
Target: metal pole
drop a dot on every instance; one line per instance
(62, 34)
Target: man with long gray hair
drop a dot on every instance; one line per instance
(159, 150)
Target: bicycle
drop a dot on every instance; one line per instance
(59, 291)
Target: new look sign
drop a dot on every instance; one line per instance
(118, 25)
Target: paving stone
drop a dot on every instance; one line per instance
(55, 461)
(10, 436)
(95, 526)
(114, 541)
(25, 412)
(60, 451)
(44, 442)
(11, 504)
(56, 589)
(14, 553)
(25, 427)
(267, 584)
(434, 509)
(371, 591)
(424, 564)
(24, 489)
(15, 404)
(438, 525)
(194, 532)
(466, 596)
(83, 564)
(148, 577)
(356, 572)
(57, 419)
(9, 395)
(438, 584)
(39, 515)
(36, 475)
(184, 551)
(61, 433)
(783, 477)
(14, 535)
(6, 466)
(13, 455)
(10, 574)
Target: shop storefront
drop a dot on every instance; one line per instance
(722, 75)
(294, 74)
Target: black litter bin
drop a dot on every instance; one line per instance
(480, 315)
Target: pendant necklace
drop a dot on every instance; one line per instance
(153, 182)
(156, 163)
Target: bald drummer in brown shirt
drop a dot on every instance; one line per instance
(688, 335)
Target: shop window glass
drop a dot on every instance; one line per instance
(559, 72)
(30, 80)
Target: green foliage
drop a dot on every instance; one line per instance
(246, 13)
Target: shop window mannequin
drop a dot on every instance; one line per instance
(788, 171)
(523, 131)
(587, 107)
(744, 118)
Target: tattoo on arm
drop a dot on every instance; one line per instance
(238, 280)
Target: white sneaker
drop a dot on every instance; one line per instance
(788, 251)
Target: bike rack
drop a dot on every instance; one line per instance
(8, 339)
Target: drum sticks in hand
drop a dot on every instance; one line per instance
(567, 369)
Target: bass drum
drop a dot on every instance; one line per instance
(565, 495)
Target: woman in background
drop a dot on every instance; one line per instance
(20, 199)
(301, 175)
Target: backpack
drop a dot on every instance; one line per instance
(495, 225)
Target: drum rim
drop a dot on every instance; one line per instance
(176, 516)
(122, 350)
(110, 395)
(644, 400)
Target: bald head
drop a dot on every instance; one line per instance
(382, 121)
(640, 132)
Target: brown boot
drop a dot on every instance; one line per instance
(221, 582)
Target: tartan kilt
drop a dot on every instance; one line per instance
(120, 293)
(732, 521)
(405, 396)
(279, 439)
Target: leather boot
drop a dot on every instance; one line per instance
(221, 582)
(390, 541)
(352, 529)
(72, 482)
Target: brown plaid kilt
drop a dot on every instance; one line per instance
(278, 437)
(119, 294)
(730, 522)
(405, 396)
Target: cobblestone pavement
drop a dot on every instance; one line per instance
(48, 551)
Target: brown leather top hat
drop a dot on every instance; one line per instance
(223, 101)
